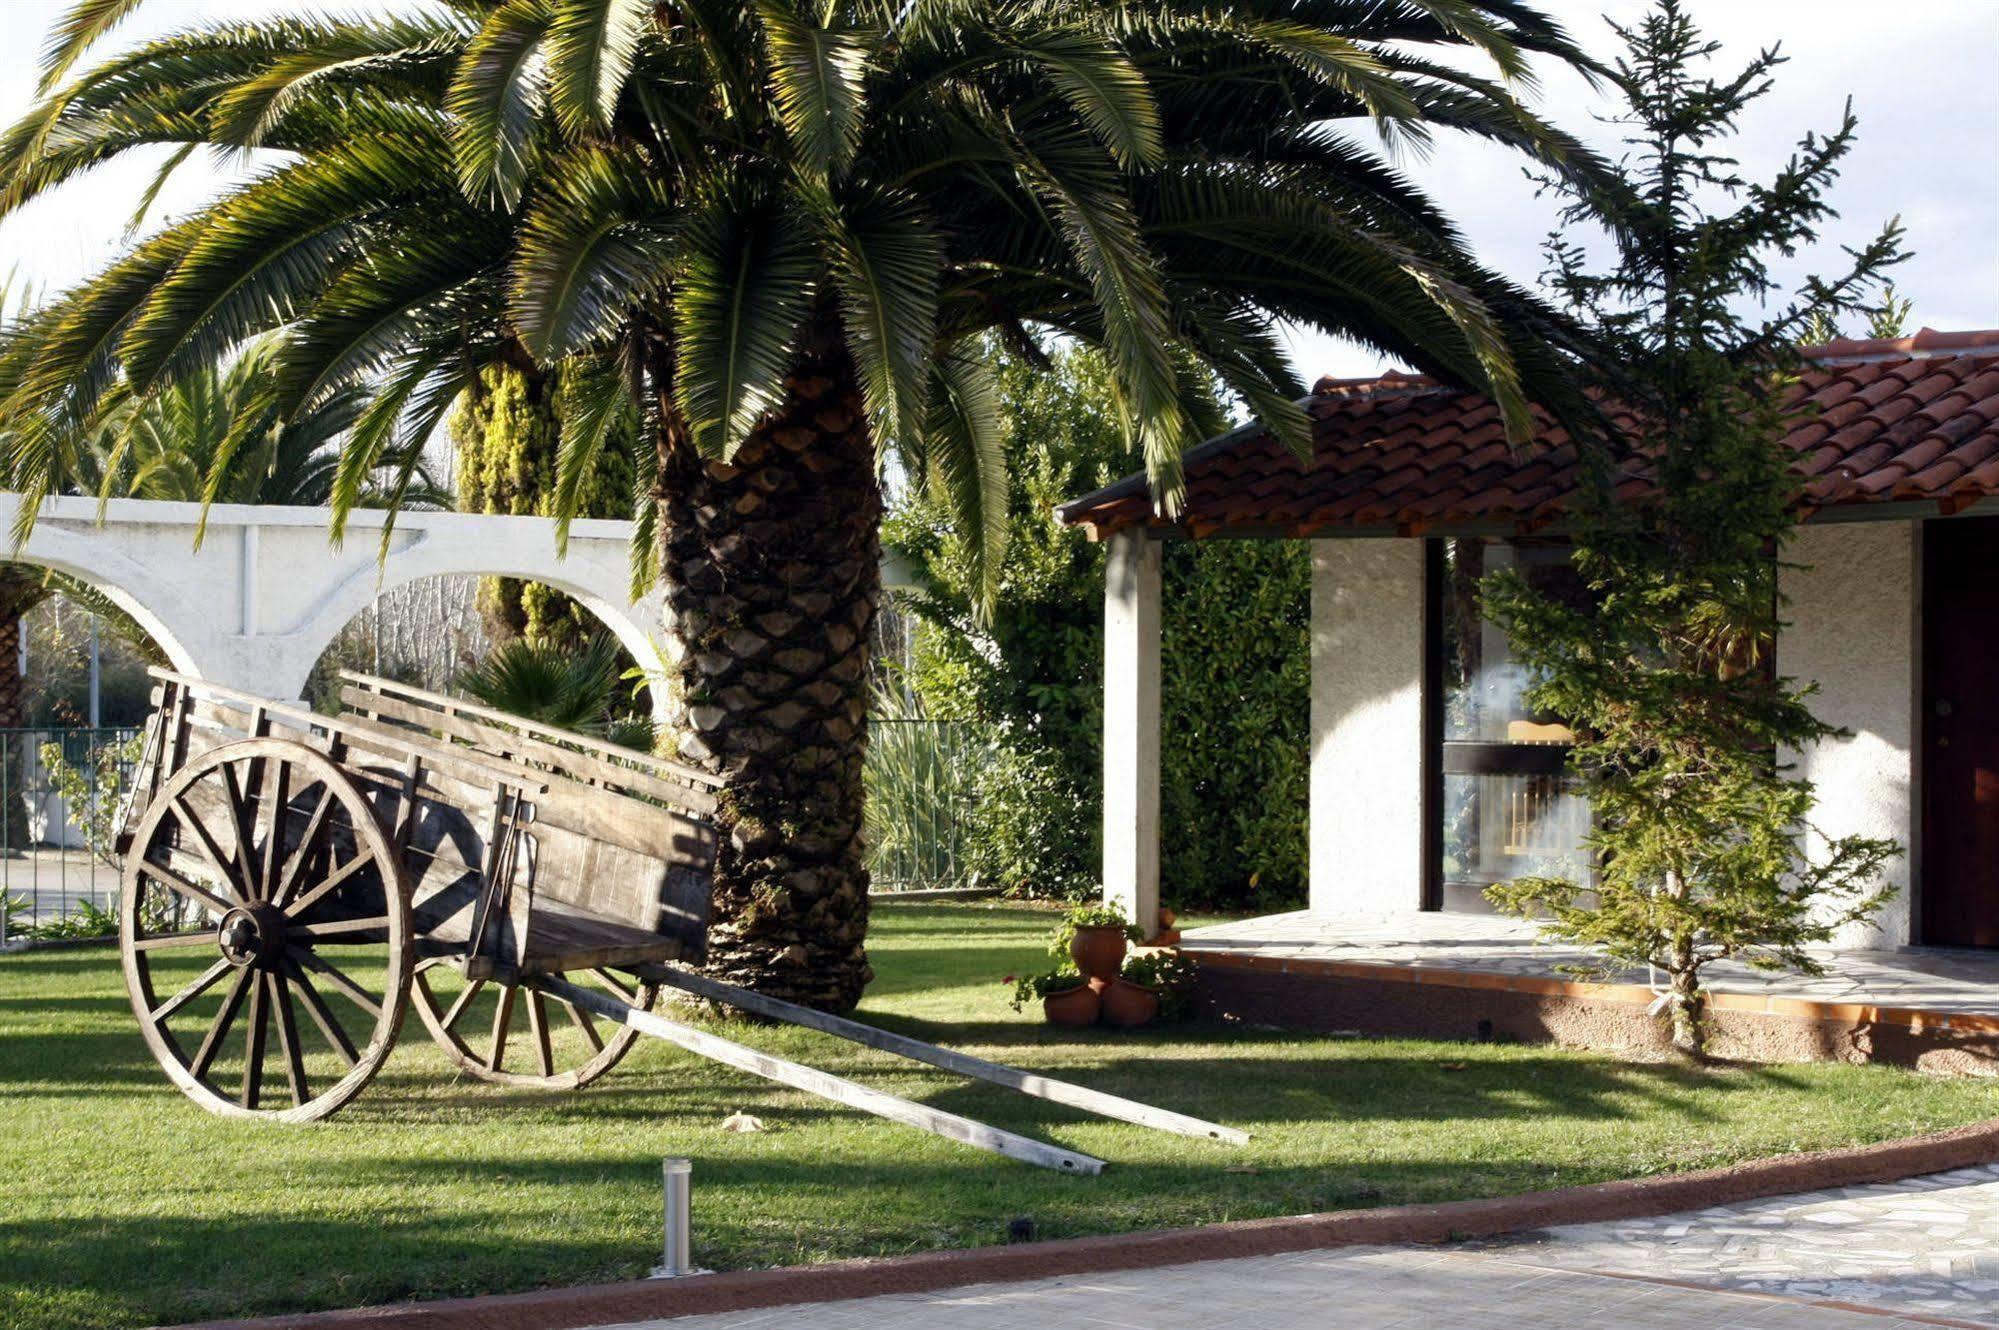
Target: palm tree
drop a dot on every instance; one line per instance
(768, 234)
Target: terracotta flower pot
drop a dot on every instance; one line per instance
(1073, 1009)
(1127, 1004)
(1098, 950)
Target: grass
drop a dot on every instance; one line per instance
(121, 1203)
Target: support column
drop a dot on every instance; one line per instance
(1131, 727)
(1367, 833)
(1853, 627)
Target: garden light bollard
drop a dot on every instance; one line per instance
(677, 1256)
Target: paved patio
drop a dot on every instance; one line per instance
(1923, 979)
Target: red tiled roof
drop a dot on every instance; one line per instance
(1912, 419)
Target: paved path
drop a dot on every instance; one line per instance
(1352, 1288)
(1922, 1252)
(1928, 1245)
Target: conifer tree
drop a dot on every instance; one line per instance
(1664, 667)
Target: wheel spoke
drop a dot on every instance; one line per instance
(166, 941)
(611, 982)
(241, 817)
(209, 849)
(297, 859)
(333, 880)
(253, 1047)
(191, 992)
(211, 1044)
(173, 881)
(274, 837)
(281, 998)
(584, 1023)
(464, 1000)
(538, 1028)
(503, 1016)
(338, 927)
(354, 993)
(322, 1015)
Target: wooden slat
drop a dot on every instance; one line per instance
(534, 753)
(385, 738)
(825, 1084)
(568, 738)
(1027, 1082)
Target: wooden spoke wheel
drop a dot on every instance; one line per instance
(510, 1034)
(265, 932)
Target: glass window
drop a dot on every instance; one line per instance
(1507, 805)
(1484, 687)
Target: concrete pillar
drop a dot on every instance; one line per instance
(1367, 726)
(1852, 626)
(1131, 726)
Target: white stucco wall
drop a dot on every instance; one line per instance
(1854, 616)
(1367, 725)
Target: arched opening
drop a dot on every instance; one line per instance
(74, 695)
(548, 651)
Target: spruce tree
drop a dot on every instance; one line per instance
(1664, 668)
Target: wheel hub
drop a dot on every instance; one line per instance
(252, 935)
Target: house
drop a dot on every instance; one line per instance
(1430, 779)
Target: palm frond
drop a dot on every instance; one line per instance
(745, 283)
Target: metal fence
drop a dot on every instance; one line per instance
(920, 798)
(47, 869)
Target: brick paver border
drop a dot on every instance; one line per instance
(640, 1300)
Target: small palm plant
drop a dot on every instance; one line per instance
(551, 682)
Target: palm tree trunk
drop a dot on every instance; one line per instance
(771, 566)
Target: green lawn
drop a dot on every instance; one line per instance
(122, 1203)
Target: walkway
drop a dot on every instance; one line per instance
(1919, 1253)
(1929, 979)
(1356, 1288)
(1928, 1246)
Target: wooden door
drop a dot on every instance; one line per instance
(1960, 883)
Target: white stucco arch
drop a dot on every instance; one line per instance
(266, 591)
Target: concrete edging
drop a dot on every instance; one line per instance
(639, 1300)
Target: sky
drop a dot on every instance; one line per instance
(1923, 75)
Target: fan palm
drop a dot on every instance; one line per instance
(769, 235)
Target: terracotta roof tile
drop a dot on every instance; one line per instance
(1897, 420)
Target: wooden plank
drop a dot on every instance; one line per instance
(459, 706)
(825, 1084)
(964, 1064)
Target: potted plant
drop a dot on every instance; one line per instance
(1153, 983)
(1095, 938)
(1066, 997)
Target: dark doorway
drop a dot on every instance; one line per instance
(1960, 886)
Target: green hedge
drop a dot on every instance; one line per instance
(1234, 733)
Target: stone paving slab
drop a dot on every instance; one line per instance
(1942, 979)
(1362, 1288)
(1928, 1246)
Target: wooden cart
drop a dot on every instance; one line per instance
(293, 883)
(414, 851)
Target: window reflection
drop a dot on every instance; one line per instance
(1508, 806)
